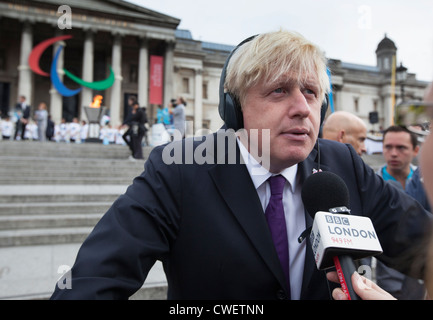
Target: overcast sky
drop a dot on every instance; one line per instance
(349, 30)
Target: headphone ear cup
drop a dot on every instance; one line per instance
(229, 108)
(323, 109)
(231, 113)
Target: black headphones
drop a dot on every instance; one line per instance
(229, 107)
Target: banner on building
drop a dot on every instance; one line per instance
(156, 79)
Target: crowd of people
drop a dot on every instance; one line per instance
(134, 132)
(68, 132)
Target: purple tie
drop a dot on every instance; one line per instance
(277, 223)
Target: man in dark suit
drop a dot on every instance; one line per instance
(23, 111)
(200, 205)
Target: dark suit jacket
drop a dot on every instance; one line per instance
(206, 224)
(25, 112)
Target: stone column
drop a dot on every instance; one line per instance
(56, 100)
(116, 89)
(198, 101)
(386, 99)
(25, 85)
(168, 72)
(143, 73)
(87, 93)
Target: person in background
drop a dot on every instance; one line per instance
(119, 135)
(345, 127)
(31, 131)
(84, 130)
(178, 112)
(74, 130)
(22, 110)
(426, 168)
(131, 100)
(63, 131)
(127, 136)
(41, 117)
(49, 133)
(137, 130)
(415, 188)
(400, 147)
(163, 116)
(6, 127)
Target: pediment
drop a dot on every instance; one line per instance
(117, 9)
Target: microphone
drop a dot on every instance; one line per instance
(337, 238)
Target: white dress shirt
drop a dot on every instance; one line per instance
(293, 211)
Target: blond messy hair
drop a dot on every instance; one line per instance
(271, 56)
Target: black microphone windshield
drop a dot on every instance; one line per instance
(324, 190)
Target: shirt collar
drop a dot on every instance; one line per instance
(387, 176)
(259, 174)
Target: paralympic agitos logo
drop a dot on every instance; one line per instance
(39, 49)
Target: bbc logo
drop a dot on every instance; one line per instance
(337, 220)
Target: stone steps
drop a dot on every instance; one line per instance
(48, 208)
(66, 150)
(29, 162)
(18, 199)
(55, 193)
(49, 221)
(51, 215)
(51, 197)
(63, 180)
(45, 236)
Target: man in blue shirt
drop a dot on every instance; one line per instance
(400, 147)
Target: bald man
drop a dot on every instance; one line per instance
(345, 127)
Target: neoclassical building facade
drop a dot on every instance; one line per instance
(362, 89)
(151, 59)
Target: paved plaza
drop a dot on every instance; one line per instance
(31, 272)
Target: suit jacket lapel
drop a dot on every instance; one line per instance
(237, 189)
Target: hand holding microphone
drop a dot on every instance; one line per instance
(337, 238)
(364, 288)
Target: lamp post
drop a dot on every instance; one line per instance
(401, 75)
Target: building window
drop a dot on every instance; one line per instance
(206, 124)
(356, 104)
(386, 63)
(185, 85)
(189, 125)
(133, 73)
(2, 59)
(375, 104)
(205, 91)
